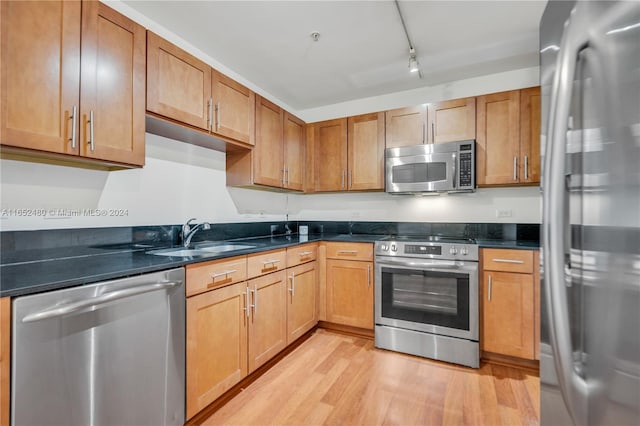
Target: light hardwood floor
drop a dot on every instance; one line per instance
(338, 379)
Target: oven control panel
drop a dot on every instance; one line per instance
(432, 250)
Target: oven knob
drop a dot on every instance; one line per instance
(384, 247)
(393, 247)
(453, 250)
(465, 251)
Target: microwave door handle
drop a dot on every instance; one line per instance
(454, 171)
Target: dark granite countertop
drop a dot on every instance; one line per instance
(509, 244)
(35, 271)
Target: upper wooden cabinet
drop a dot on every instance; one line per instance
(406, 126)
(508, 140)
(453, 120)
(278, 158)
(73, 81)
(365, 141)
(187, 90)
(233, 107)
(349, 154)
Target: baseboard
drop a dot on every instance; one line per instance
(510, 361)
(347, 329)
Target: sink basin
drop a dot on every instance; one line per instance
(200, 251)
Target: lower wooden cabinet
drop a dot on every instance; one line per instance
(5, 358)
(349, 293)
(509, 303)
(217, 327)
(302, 315)
(268, 318)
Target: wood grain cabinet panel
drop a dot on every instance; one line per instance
(507, 260)
(73, 81)
(406, 126)
(234, 106)
(304, 253)
(330, 155)
(453, 120)
(294, 152)
(302, 314)
(268, 323)
(178, 84)
(217, 325)
(366, 152)
(530, 135)
(536, 305)
(5, 360)
(268, 154)
(206, 276)
(349, 251)
(266, 262)
(349, 293)
(40, 74)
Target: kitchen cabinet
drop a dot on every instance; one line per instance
(278, 158)
(302, 314)
(365, 153)
(453, 120)
(73, 81)
(5, 359)
(349, 154)
(186, 90)
(508, 302)
(206, 276)
(536, 305)
(268, 322)
(266, 262)
(406, 126)
(508, 128)
(349, 284)
(217, 326)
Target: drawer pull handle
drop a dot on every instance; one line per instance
(519, 262)
(224, 274)
(292, 290)
(305, 253)
(270, 262)
(489, 292)
(347, 251)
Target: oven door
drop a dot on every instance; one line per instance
(434, 296)
(416, 173)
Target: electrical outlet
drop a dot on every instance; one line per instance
(504, 213)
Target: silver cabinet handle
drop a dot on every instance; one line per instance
(283, 176)
(342, 182)
(515, 168)
(224, 274)
(94, 302)
(423, 133)
(347, 251)
(292, 290)
(526, 167)
(489, 291)
(272, 261)
(350, 179)
(305, 253)
(92, 143)
(433, 132)
(255, 299)
(368, 276)
(246, 302)
(520, 262)
(210, 114)
(74, 124)
(218, 109)
(286, 174)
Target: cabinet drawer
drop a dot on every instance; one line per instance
(301, 254)
(217, 273)
(265, 263)
(507, 260)
(351, 251)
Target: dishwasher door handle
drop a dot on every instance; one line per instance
(99, 300)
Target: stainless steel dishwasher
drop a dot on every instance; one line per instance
(111, 353)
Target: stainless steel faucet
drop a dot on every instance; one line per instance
(188, 231)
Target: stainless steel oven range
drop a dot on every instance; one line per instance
(426, 298)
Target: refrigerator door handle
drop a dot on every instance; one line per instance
(572, 385)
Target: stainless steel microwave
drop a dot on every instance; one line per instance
(442, 167)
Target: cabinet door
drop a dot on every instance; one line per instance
(350, 293)
(530, 135)
(216, 344)
(366, 152)
(536, 305)
(5, 357)
(294, 152)
(112, 86)
(40, 74)
(453, 120)
(498, 138)
(301, 300)
(406, 126)
(268, 324)
(508, 314)
(178, 84)
(330, 156)
(234, 108)
(268, 155)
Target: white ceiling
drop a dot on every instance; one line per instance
(362, 50)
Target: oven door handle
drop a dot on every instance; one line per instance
(422, 265)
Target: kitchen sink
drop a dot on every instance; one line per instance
(201, 251)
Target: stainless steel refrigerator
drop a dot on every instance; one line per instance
(590, 143)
